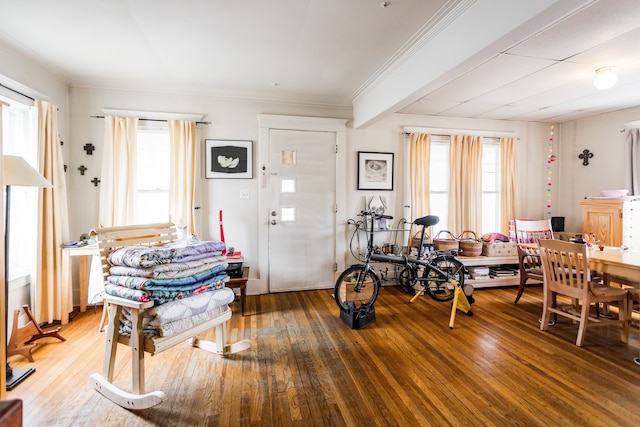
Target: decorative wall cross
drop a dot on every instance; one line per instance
(95, 181)
(89, 147)
(82, 169)
(585, 156)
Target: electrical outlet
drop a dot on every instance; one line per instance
(245, 194)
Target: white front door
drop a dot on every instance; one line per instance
(302, 209)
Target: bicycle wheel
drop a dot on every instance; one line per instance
(439, 284)
(355, 288)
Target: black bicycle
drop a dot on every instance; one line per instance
(437, 272)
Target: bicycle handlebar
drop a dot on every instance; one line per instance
(375, 215)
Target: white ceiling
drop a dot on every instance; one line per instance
(513, 59)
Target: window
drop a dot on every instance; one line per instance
(152, 179)
(490, 185)
(20, 138)
(439, 182)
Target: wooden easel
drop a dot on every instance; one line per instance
(22, 339)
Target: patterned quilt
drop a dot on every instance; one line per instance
(167, 273)
(180, 283)
(178, 251)
(177, 316)
(173, 270)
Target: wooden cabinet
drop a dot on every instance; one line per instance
(614, 221)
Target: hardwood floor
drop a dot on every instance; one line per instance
(307, 368)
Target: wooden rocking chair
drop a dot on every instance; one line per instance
(113, 238)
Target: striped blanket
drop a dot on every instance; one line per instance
(177, 316)
(178, 251)
(167, 273)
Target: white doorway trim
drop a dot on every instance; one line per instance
(266, 122)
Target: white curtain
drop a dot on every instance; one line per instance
(53, 225)
(182, 140)
(633, 137)
(465, 183)
(118, 177)
(420, 159)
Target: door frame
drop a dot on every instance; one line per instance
(267, 122)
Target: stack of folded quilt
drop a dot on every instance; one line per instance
(185, 280)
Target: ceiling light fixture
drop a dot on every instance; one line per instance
(605, 78)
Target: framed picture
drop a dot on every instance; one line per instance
(375, 171)
(228, 159)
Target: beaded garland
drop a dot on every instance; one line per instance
(550, 159)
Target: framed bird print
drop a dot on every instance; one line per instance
(228, 159)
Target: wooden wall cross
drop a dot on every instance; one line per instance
(585, 156)
(95, 181)
(89, 147)
(82, 169)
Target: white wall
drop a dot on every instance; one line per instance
(231, 119)
(237, 119)
(234, 119)
(609, 168)
(24, 75)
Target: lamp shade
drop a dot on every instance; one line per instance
(18, 172)
(605, 78)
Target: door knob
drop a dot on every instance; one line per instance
(274, 213)
(274, 222)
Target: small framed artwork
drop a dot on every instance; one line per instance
(375, 171)
(228, 159)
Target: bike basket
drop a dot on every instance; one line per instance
(470, 246)
(444, 244)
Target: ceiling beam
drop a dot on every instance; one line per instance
(445, 53)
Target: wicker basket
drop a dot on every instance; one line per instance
(499, 249)
(443, 244)
(470, 246)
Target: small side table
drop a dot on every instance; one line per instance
(240, 282)
(84, 253)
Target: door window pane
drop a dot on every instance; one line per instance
(288, 186)
(287, 214)
(288, 157)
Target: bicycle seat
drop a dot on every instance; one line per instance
(427, 221)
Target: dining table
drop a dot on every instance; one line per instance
(619, 263)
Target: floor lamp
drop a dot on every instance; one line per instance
(16, 172)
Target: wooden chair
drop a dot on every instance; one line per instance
(527, 234)
(110, 239)
(530, 267)
(634, 298)
(529, 231)
(566, 272)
